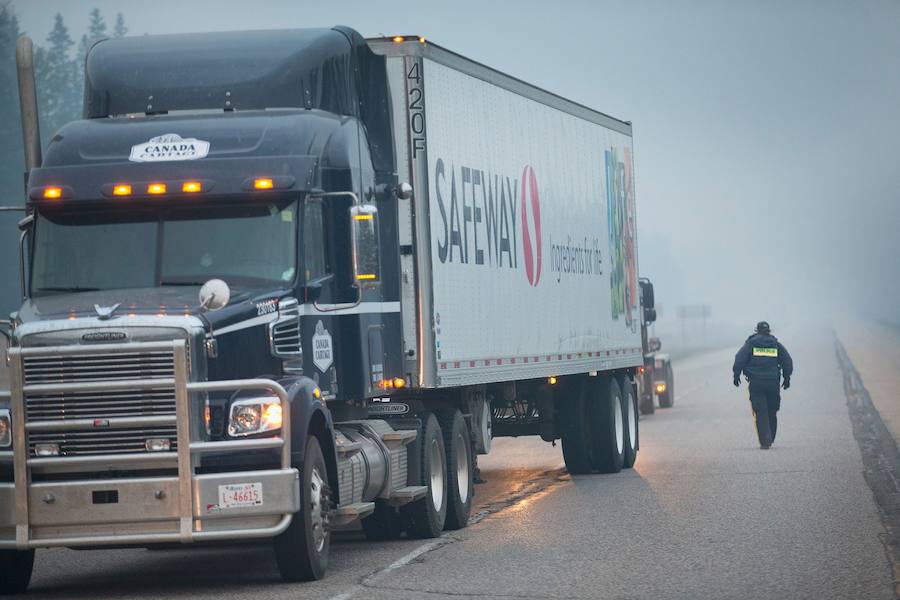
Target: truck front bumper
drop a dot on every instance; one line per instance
(185, 507)
(147, 510)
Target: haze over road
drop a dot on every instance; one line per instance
(705, 513)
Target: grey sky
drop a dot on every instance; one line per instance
(767, 134)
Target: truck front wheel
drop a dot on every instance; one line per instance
(302, 550)
(460, 483)
(15, 571)
(425, 517)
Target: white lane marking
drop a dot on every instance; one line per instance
(397, 564)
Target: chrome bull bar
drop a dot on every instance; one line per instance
(143, 522)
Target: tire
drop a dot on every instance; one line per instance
(648, 407)
(302, 550)
(16, 567)
(575, 427)
(608, 420)
(632, 424)
(425, 518)
(384, 524)
(460, 468)
(667, 398)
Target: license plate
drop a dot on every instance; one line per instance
(240, 495)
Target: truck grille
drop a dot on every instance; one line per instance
(83, 368)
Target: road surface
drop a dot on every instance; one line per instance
(704, 514)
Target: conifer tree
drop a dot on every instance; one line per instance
(59, 95)
(96, 31)
(119, 29)
(11, 159)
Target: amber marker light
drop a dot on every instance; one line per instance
(421, 40)
(660, 388)
(398, 39)
(263, 183)
(399, 383)
(53, 193)
(551, 380)
(191, 187)
(156, 188)
(121, 189)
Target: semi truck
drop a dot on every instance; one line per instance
(656, 379)
(277, 282)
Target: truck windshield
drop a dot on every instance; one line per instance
(90, 249)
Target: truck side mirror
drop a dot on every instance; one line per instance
(366, 259)
(6, 342)
(647, 298)
(214, 295)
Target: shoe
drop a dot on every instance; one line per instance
(765, 447)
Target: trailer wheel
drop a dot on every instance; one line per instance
(609, 428)
(667, 398)
(384, 524)
(302, 550)
(16, 567)
(632, 425)
(425, 518)
(460, 470)
(576, 427)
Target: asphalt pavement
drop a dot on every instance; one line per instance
(704, 514)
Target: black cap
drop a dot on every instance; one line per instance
(762, 327)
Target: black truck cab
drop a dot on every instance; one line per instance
(126, 213)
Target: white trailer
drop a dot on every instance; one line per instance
(518, 255)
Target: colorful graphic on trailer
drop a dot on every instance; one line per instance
(620, 214)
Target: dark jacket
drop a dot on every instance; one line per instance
(763, 358)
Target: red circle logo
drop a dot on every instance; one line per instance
(531, 235)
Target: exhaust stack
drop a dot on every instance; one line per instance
(31, 132)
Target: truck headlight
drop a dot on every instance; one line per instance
(249, 416)
(5, 433)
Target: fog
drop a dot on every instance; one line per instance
(766, 134)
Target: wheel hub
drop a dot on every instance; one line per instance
(462, 467)
(436, 462)
(620, 426)
(316, 509)
(632, 422)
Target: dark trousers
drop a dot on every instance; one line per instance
(765, 397)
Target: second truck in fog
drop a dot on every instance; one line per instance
(400, 253)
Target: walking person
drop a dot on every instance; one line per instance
(763, 360)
